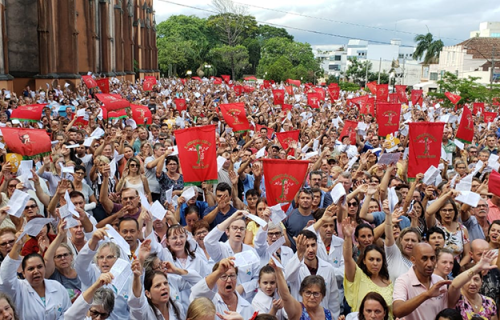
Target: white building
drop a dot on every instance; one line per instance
(487, 30)
(333, 59)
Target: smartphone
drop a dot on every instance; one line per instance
(410, 208)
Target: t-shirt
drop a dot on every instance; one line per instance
(117, 207)
(294, 224)
(202, 205)
(150, 174)
(73, 285)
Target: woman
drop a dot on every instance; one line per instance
(59, 263)
(171, 179)
(69, 154)
(312, 291)
(7, 308)
(95, 302)
(41, 242)
(155, 302)
(267, 300)
(78, 185)
(132, 178)
(370, 274)
(464, 295)
(101, 164)
(191, 216)
(443, 213)
(364, 236)
(200, 230)
(201, 309)
(51, 171)
(35, 297)
(444, 263)
(128, 153)
(146, 151)
(461, 168)
(373, 307)
(493, 237)
(264, 213)
(449, 314)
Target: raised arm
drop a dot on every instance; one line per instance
(363, 213)
(430, 213)
(51, 250)
(104, 199)
(413, 187)
(350, 264)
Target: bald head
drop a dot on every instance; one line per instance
(420, 247)
(477, 247)
(424, 259)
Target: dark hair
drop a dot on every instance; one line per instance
(148, 282)
(376, 297)
(384, 272)
(317, 173)
(76, 194)
(308, 234)
(128, 219)
(358, 219)
(192, 209)
(251, 192)
(265, 316)
(455, 209)
(436, 230)
(172, 158)
(266, 269)
(80, 167)
(449, 313)
(72, 154)
(362, 226)
(171, 230)
(29, 256)
(497, 222)
(216, 266)
(224, 186)
(311, 281)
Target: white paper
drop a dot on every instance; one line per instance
(277, 214)
(316, 145)
(430, 175)
(25, 167)
(459, 144)
(80, 112)
(175, 150)
(337, 192)
(189, 193)
(351, 162)
(261, 222)
(70, 222)
(393, 198)
(112, 168)
(220, 162)
(174, 201)
(277, 263)
(131, 123)
(465, 184)
(98, 132)
(71, 206)
(275, 246)
(389, 158)
(158, 211)
(261, 153)
(144, 201)
(88, 141)
(310, 155)
(72, 146)
(468, 197)
(34, 226)
(493, 162)
(17, 203)
(453, 181)
(245, 258)
(479, 165)
(115, 237)
(121, 272)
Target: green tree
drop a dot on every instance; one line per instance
(348, 86)
(357, 70)
(232, 58)
(267, 32)
(428, 48)
(280, 70)
(253, 47)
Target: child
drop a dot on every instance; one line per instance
(267, 300)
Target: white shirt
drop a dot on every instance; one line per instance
(140, 310)
(263, 303)
(261, 246)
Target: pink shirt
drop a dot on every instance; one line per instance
(493, 212)
(408, 286)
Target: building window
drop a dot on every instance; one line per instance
(334, 67)
(434, 76)
(401, 56)
(338, 58)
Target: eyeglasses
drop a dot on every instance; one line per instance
(133, 165)
(107, 258)
(161, 138)
(80, 173)
(273, 234)
(33, 206)
(482, 206)
(7, 243)
(352, 204)
(172, 164)
(231, 277)
(235, 228)
(201, 233)
(12, 185)
(314, 294)
(60, 256)
(95, 314)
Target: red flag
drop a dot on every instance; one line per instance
(89, 82)
(382, 92)
(148, 85)
(425, 146)
(388, 118)
(496, 101)
(289, 90)
(103, 85)
(489, 116)
(196, 78)
(401, 91)
(217, 80)
(141, 115)
(465, 131)
(333, 85)
(80, 122)
(321, 93)
(267, 84)
(279, 97)
(349, 130)
(372, 86)
(197, 154)
(116, 114)
(235, 116)
(27, 142)
(32, 112)
(238, 90)
(493, 183)
(112, 101)
(286, 107)
(393, 98)
(313, 100)
(416, 97)
(287, 137)
(226, 78)
(293, 82)
(478, 107)
(360, 101)
(183, 81)
(454, 98)
(334, 92)
(180, 104)
(150, 78)
(283, 179)
(248, 89)
(270, 131)
(250, 78)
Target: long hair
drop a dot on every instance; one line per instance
(148, 283)
(384, 272)
(187, 248)
(200, 307)
(376, 297)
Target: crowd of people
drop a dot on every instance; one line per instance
(392, 247)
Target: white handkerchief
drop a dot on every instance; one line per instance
(175, 150)
(17, 203)
(468, 197)
(275, 246)
(168, 195)
(189, 193)
(316, 144)
(158, 211)
(144, 201)
(98, 132)
(261, 153)
(80, 112)
(430, 175)
(261, 222)
(337, 192)
(459, 144)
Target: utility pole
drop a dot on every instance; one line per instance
(403, 76)
(379, 66)
(492, 69)
(366, 75)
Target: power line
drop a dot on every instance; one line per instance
(288, 27)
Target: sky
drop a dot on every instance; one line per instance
(336, 21)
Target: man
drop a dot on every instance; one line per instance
(143, 137)
(299, 218)
(129, 134)
(346, 180)
(448, 145)
(477, 224)
(315, 178)
(491, 143)
(215, 215)
(150, 164)
(420, 294)
(494, 208)
(304, 263)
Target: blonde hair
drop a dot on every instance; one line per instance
(200, 307)
(55, 157)
(104, 159)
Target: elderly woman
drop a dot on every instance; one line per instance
(95, 302)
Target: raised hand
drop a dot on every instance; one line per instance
(438, 288)
(136, 268)
(347, 227)
(104, 279)
(144, 250)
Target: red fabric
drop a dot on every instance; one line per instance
(31, 246)
(235, 116)
(196, 78)
(32, 112)
(116, 114)
(283, 179)
(27, 142)
(112, 102)
(279, 97)
(382, 92)
(103, 85)
(465, 131)
(494, 183)
(251, 78)
(217, 80)
(313, 100)
(238, 90)
(248, 89)
(425, 146)
(226, 78)
(489, 116)
(372, 86)
(180, 104)
(289, 90)
(150, 78)
(197, 154)
(388, 118)
(454, 98)
(393, 98)
(286, 107)
(334, 93)
(148, 85)
(321, 93)
(401, 91)
(360, 101)
(293, 82)
(89, 82)
(267, 84)
(349, 130)
(286, 138)
(496, 101)
(417, 97)
(270, 131)
(80, 123)
(141, 115)
(183, 81)
(478, 107)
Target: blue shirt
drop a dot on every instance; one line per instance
(379, 218)
(219, 218)
(202, 205)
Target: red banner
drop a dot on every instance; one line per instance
(425, 146)
(248, 89)
(360, 101)
(286, 107)
(321, 92)
(267, 84)
(150, 78)
(494, 183)
(112, 101)
(489, 116)
(465, 131)
(183, 81)
(141, 115)
(382, 92)
(197, 154)
(238, 90)
(148, 85)
(279, 97)
(235, 116)
(180, 104)
(196, 78)
(217, 80)
(286, 138)
(372, 86)
(103, 84)
(313, 100)
(115, 114)
(27, 142)
(393, 98)
(388, 118)
(349, 130)
(334, 93)
(454, 98)
(283, 179)
(401, 91)
(289, 90)
(496, 101)
(89, 82)
(417, 97)
(293, 82)
(80, 123)
(32, 112)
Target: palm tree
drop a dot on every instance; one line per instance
(428, 48)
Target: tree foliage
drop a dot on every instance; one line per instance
(428, 48)
(230, 58)
(357, 70)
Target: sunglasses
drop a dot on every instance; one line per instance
(33, 206)
(352, 204)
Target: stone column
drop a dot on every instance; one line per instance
(119, 38)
